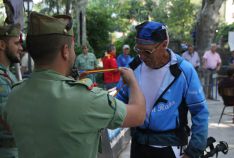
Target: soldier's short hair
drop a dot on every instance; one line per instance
(44, 49)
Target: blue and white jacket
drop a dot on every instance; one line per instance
(167, 125)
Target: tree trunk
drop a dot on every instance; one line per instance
(68, 5)
(206, 24)
(57, 7)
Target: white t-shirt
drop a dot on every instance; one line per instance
(150, 84)
(24, 62)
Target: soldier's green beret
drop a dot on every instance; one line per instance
(40, 24)
(12, 30)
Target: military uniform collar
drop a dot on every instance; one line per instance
(3, 67)
(50, 74)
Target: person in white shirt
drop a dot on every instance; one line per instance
(192, 56)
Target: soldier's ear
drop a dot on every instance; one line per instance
(2, 45)
(65, 52)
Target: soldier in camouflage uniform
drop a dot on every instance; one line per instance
(62, 117)
(10, 49)
(87, 61)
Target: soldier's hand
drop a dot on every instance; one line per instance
(127, 75)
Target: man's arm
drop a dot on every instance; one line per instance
(219, 63)
(136, 103)
(197, 105)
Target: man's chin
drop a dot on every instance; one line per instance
(15, 60)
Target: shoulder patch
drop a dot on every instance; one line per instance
(86, 82)
(3, 89)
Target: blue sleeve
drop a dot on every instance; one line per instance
(197, 105)
(123, 92)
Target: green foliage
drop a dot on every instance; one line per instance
(106, 16)
(130, 40)
(2, 13)
(54, 7)
(117, 16)
(222, 34)
(99, 25)
(178, 15)
(136, 10)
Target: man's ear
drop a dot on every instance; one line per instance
(2, 45)
(165, 43)
(65, 52)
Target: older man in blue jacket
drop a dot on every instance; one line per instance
(171, 87)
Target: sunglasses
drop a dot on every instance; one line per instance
(145, 51)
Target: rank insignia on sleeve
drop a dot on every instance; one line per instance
(2, 89)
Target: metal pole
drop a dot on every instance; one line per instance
(29, 57)
(18, 71)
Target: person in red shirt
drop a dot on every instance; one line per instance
(109, 61)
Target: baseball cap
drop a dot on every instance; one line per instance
(126, 46)
(40, 24)
(151, 32)
(12, 30)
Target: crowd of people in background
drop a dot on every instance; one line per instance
(207, 67)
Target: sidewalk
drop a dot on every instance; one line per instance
(222, 132)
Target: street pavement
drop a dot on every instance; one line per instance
(222, 132)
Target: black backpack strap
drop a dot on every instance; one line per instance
(175, 71)
(183, 130)
(135, 62)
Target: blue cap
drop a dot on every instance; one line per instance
(151, 32)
